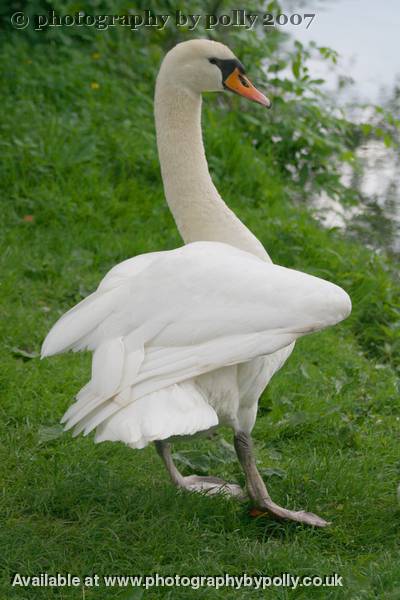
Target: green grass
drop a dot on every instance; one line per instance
(83, 163)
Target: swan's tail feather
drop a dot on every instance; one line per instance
(179, 409)
(153, 380)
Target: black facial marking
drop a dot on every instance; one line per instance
(227, 66)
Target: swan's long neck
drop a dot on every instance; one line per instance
(198, 209)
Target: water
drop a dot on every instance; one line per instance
(379, 188)
(366, 36)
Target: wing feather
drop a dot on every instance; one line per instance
(164, 318)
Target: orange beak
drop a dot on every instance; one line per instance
(240, 84)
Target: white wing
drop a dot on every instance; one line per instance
(161, 319)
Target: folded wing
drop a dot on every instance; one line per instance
(164, 318)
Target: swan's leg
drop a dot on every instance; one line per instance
(209, 485)
(258, 492)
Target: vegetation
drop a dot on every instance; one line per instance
(81, 191)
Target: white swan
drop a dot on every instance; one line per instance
(188, 339)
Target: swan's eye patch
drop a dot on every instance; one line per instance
(227, 66)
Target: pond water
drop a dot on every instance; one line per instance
(379, 187)
(366, 35)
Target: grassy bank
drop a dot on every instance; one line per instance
(81, 191)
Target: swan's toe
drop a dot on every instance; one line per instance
(213, 485)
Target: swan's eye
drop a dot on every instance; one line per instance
(213, 61)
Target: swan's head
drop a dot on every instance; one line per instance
(207, 66)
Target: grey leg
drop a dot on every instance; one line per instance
(164, 451)
(209, 485)
(259, 493)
